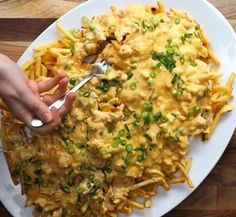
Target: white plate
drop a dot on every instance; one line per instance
(205, 155)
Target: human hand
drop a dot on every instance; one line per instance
(22, 96)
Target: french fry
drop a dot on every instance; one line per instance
(135, 204)
(59, 50)
(38, 67)
(224, 109)
(46, 46)
(27, 64)
(44, 70)
(213, 58)
(65, 32)
(185, 173)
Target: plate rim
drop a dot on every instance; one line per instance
(215, 10)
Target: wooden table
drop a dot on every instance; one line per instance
(20, 23)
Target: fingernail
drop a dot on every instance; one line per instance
(47, 117)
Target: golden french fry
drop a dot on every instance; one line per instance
(38, 67)
(27, 64)
(224, 109)
(44, 70)
(135, 204)
(65, 32)
(46, 46)
(213, 58)
(59, 50)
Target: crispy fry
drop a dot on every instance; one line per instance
(135, 204)
(46, 46)
(27, 64)
(224, 109)
(65, 32)
(38, 69)
(213, 58)
(44, 70)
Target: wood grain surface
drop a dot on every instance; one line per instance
(21, 21)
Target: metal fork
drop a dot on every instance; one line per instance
(98, 68)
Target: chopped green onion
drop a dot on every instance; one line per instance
(87, 94)
(78, 144)
(155, 21)
(70, 149)
(92, 27)
(79, 190)
(159, 135)
(148, 106)
(26, 180)
(185, 37)
(65, 189)
(157, 116)
(182, 60)
(122, 133)
(137, 115)
(175, 79)
(197, 27)
(136, 123)
(73, 80)
(129, 148)
(129, 75)
(152, 74)
(196, 109)
(85, 20)
(134, 66)
(110, 129)
(72, 47)
(116, 142)
(64, 119)
(141, 157)
(166, 59)
(144, 114)
(104, 86)
(176, 93)
(169, 40)
(183, 131)
(194, 64)
(150, 82)
(170, 50)
(133, 86)
(123, 142)
(158, 65)
(197, 34)
(177, 21)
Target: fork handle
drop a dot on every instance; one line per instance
(58, 103)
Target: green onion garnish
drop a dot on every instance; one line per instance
(122, 133)
(155, 21)
(70, 149)
(116, 142)
(150, 82)
(148, 106)
(129, 75)
(152, 74)
(134, 66)
(197, 27)
(85, 20)
(137, 115)
(129, 148)
(87, 94)
(194, 64)
(177, 21)
(133, 86)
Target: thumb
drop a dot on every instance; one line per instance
(38, 108)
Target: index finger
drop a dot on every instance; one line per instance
(44, 86)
